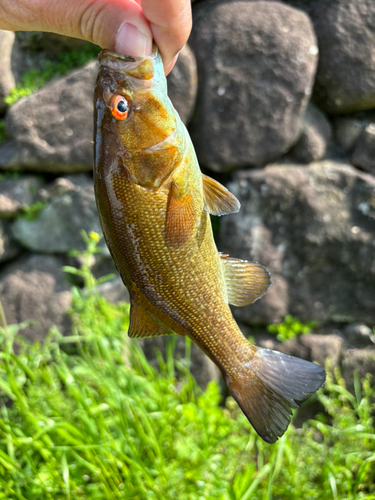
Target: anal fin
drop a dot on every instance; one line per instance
(275, 384)
(144, 324)
(245, 281)
(217, 199)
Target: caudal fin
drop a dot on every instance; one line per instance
(274, 385)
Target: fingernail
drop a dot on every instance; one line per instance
(171, 65)
(131, 42)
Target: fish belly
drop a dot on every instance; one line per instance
(186, 283)
(184, 289)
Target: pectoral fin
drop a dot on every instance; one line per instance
(180, 217)
(144, 324)
(217, 199)
(245, 281)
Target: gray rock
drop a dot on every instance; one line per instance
(364, 150)
(256, 65)
(359, 361)
(57, 228)
(347, 131)
(315, 137)
(16, 193)
(355, 134)
(313, 227)
(7, 81)
(35, 288)
(359, 335)
(183, 84)
(314, 347)
(60, 186)
(261, 338)
(114, 291)
(201, 367)
(52, 129)
(345, 80)
(104, 266)
(8, 247)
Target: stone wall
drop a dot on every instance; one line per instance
(279, 98)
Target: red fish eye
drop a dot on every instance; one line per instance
(119, 107)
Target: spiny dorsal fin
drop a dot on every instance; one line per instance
(245, 281)
(217, 199)
(144, 324)
(275, 384)
(180, 215)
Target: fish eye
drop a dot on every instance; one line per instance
(119, 107)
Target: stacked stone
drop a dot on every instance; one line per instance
(279, 98)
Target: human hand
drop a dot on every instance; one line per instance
(126, 26)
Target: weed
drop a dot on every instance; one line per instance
(31, 212)
(290, 328)
(86, 416)
(9, 175)
(34, 79)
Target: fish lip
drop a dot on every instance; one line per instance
(116, 61)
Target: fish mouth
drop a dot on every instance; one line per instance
(119, 62)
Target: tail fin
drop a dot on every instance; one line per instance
(274, 385)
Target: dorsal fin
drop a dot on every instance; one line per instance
(144, 324)
(217, 199)
(245, 281)
(180, 216)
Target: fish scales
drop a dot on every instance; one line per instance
(154, 206)
(143, 233)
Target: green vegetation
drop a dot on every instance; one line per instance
(9, 175)
(86, 416)
(34, 79)
(31, 212)
(290, 328)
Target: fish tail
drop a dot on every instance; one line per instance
(270, 385)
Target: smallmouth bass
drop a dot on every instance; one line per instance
(154, 205)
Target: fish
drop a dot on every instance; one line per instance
(154, 206)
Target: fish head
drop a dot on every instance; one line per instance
(135, 121)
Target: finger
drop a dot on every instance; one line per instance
(170, 22)
(117, 24)
(169, 68)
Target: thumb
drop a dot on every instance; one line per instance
(117, 25)
(112, 24)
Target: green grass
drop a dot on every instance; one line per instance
(290, 328)
(31, 212)
(86, 416)
(35, 79)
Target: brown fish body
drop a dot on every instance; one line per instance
(175, 284)
(154, 208)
